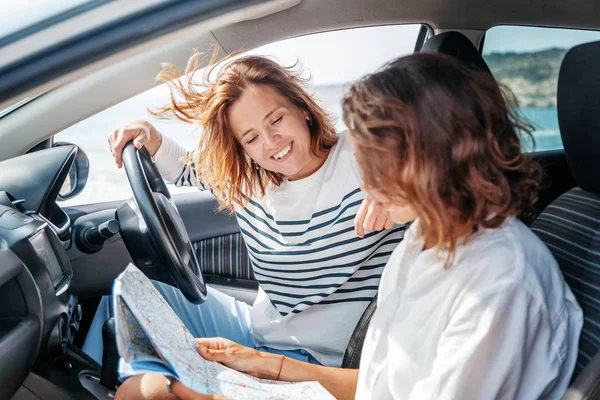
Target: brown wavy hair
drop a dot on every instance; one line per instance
(219, 160)
(445, 139)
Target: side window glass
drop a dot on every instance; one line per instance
(334, 60)
(527, 60)
(105, 181)
(330, 60)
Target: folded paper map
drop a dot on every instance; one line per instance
(152, 338)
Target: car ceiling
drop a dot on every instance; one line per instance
(322, 15)
(100, 85)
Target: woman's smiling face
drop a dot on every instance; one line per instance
(273, 132)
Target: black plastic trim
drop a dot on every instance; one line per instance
(19, 351)
(22, 324)
(43, 145)
(423, 34)
(11, 267)
(37, 177)
(481, 43)
(547, 153)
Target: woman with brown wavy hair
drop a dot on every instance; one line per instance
(271, 155)
(471, 304)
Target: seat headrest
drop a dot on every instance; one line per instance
(578, 105)
(458, 45)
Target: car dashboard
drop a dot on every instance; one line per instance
(38, 315)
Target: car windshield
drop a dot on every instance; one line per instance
(23, 18)
(22, 23)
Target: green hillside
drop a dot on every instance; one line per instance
(532, 76)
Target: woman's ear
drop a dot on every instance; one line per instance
(308, 119)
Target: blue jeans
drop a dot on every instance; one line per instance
(220, 315)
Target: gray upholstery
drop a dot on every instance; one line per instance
(226, 256)
(570, 227)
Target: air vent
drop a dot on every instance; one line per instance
(7, 199)
(18, 203)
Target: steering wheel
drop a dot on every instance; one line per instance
(166, 228)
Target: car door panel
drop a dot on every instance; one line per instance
(219, 245)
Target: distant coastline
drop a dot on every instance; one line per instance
(532, 76)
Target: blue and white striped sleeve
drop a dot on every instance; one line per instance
(170, 161)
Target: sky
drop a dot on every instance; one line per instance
(345, 55)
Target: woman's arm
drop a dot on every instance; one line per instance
(168, 155)
(170, 160)
(340, 382)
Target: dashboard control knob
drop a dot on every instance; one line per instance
(78, 313)
(93, 238)
(59, 336)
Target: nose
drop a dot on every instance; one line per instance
(271, 138)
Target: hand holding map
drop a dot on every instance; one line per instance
(151, 338)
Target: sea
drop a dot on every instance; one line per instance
(547, 132)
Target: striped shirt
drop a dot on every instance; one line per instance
(316, 275)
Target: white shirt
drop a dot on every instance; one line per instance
(316, 275)
(500, 323)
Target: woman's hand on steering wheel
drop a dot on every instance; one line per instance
(143, 134)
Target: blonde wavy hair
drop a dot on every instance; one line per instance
(219, 159)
